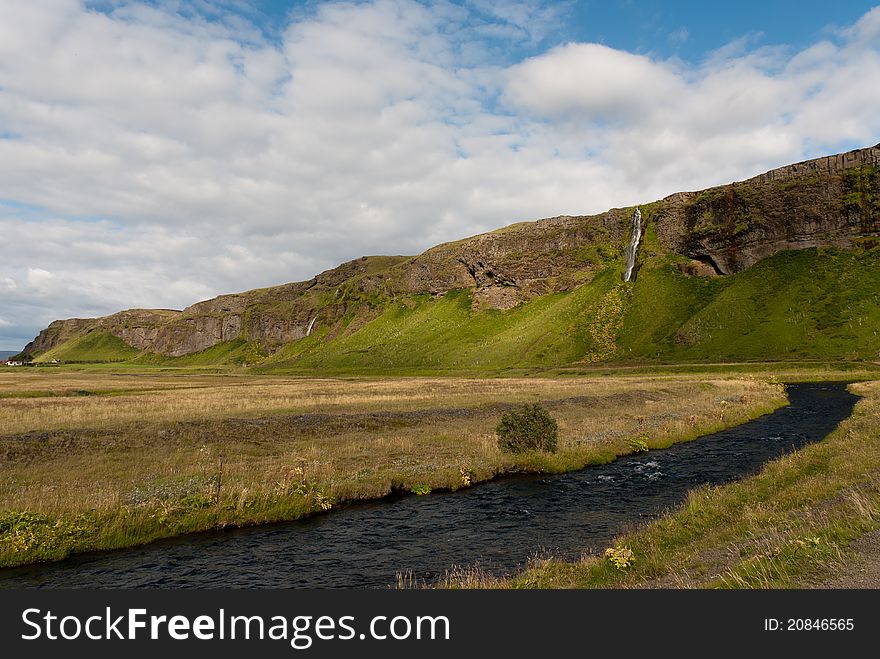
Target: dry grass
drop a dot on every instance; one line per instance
(146, 464)
(41, 401)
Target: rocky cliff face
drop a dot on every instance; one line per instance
(822, 202)
(57, 333)
(517, 256)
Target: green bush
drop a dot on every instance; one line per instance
(529, 428)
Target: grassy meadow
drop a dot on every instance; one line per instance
(103, 458)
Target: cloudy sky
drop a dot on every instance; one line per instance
(153, 154)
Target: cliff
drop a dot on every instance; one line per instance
(829, 201)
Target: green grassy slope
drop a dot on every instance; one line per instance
(808, 304)
(92, 347)
(103, 347)
(795, 304)
(237, 353)
(437, 334)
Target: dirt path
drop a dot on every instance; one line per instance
(863, 568)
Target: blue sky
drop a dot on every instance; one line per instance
(153, 154)
(692, 29)
(688, 29)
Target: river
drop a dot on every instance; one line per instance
(498, 525)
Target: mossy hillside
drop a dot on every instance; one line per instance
(237, 352)
(441, 333)
(828, 201)
(657, 305)
(809, 304)
(862, 195)
(94, 346)
(104, 348)
(659, 300)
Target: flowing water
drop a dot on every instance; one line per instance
(632, 249)
(499, 525)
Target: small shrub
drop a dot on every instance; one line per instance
(620, 557)
(38, 535)
(639, 444)
(420, 490)
(322, 501)
(528, 429)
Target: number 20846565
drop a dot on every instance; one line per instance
(809, 624)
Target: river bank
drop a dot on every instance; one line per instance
(807, 520)
(221, 453)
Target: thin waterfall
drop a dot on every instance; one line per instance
(634, 239)
(311, 324)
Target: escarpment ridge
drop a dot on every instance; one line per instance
(831, 202)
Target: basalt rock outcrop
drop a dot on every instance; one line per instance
(830, 201)
(823, 202)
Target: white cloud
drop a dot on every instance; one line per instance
(866, 30)
(156, 157)
(591, 82)
(666, 125)
(41, 281)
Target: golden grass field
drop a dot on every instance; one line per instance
(34, 401)
(94, 460)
